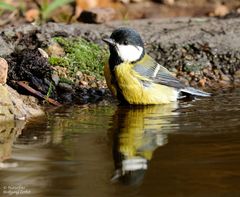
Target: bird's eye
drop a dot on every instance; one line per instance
(125, 42)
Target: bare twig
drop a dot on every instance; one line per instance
(37, 93)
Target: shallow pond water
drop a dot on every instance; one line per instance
(187, 149)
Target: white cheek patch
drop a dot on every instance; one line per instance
(129, 53)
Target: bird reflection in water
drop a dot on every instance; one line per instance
(137, 132)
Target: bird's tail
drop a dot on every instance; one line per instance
(194, 92)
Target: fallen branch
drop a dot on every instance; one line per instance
(37, 93)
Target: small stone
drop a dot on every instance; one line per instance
(224, 77)
(84, 83)
(191, 74)
(202, 82)
(237, 75)
(97, 15)
(205, 71)
(93, 85)
(3, 71)
(79, 74)
(216, 72)
(55, 78)
(43, 53)
(90, 78)
(65, 86)
(62, 71)
(189, 57)
(197, 73)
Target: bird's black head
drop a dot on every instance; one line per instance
(127, 36)
(125, 45)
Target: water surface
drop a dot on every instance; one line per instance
(187, 149)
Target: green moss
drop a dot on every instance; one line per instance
(65, 80)
(81, 55)
(59, 61)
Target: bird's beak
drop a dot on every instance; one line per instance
(109, 41)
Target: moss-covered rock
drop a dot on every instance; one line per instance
(80, 55)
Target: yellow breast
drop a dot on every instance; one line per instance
(133, 90)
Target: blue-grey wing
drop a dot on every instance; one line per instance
(149, 68)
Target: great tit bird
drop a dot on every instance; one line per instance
(134, 77)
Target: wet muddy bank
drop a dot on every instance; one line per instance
(202, 52)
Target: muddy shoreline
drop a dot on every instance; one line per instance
(202, 52)
(220, 34)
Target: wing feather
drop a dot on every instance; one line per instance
(149, 68)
